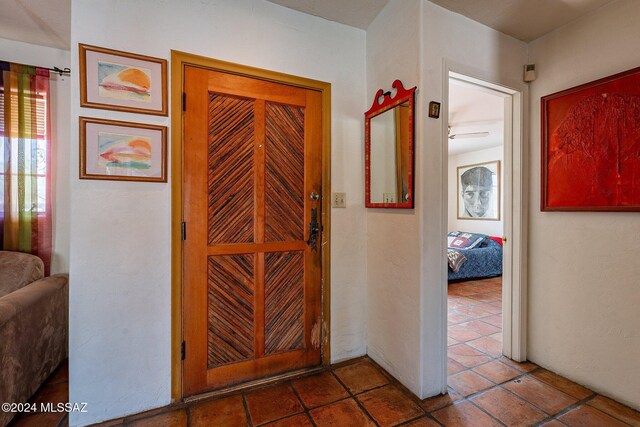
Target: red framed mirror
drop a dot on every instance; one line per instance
(389, 147)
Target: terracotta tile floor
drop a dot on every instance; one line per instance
(54, 390)
(485, 389)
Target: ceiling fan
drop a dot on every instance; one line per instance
(467, 134)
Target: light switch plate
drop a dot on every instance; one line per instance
(389, 197)
(338, 200)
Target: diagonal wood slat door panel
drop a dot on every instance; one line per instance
(284, 163)
(284, 301)
(252, 284)
(231, 194)
(230, 309)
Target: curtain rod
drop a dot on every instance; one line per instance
(60, 71)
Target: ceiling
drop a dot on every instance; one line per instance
(47, 22)
(523, 19)
(41, 22)
(474, 109)
(356, 13)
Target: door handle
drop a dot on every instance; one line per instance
(314, 230)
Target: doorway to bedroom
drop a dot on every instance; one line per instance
(479, 121)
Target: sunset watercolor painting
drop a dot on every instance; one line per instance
(124, 82)
(124, 151)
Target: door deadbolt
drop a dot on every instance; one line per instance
(314, 196)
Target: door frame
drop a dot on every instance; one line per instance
(514, 296)
(179, 60)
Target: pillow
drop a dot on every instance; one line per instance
(496, 239)
(455, 260)
(464, 241)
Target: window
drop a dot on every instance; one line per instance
(33, 164)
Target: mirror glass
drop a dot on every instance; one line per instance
(389, 150)
(390, 155)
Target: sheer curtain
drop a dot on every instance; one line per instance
(25, 166)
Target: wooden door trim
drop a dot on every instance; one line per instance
(179, 60)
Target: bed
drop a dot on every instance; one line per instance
(483, 259)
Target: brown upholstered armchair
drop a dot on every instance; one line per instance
(33, 326)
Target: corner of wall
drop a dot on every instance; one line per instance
(393, 255)
(583, 298)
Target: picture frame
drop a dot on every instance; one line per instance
(590, 140)
(479, 191)
(122, 81)
(122, 151)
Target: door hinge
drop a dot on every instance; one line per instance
(183, 231)
(183, 350)
(184, 101)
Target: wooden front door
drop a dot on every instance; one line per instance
(252, 263)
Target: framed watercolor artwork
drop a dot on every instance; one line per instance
(122, 151)
(591, 146)
(122, 81)
(479, 191)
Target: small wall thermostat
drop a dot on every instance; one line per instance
(529, 72)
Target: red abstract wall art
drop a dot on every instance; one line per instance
(591, 146)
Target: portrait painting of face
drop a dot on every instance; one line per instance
(479, 191)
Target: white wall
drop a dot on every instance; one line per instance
(48, 57)
(120, 326)
(472, 48)
(393, 253)
(581, 300)
(492, 228)
(583, 267)
(406, 269)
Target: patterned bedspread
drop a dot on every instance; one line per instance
(483, 261)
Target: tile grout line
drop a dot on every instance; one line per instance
(579, 403)
(496, 385)
(486, 412)
(491, 359)
(500, 385)
(517, 396)
(306, 409)
(395, 383)
(539, 408)
(325, 405)
(353, 396)
(425, 415)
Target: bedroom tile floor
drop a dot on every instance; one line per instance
(485, 389)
